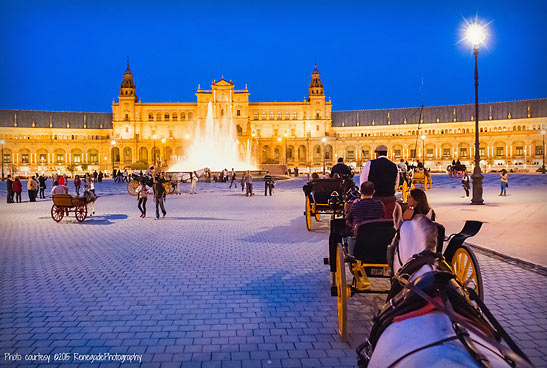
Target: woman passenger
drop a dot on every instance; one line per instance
(418, 205)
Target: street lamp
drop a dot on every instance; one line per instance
(154, 150)
(475, 34)
(286, 157)
(542, 153)
(324, 140)
(113, 143)
(2, 142)
(423, 148)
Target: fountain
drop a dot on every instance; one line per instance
(215, 146)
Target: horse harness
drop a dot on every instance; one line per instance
(438, 290)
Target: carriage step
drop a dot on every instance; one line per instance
(326, 261)
(333, 291)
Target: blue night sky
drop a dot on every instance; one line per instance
(70, 55)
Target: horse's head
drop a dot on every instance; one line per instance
(415, 236)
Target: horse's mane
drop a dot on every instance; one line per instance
(427, 227)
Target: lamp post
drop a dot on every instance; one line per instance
(476, 34)
(2, 142)
(286, 157)
(423, 148)
(163, 142)
(324, 140)
(542, 154)
(154, 151)
(113, 143)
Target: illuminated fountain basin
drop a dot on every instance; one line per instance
(216, 147)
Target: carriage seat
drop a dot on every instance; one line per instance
(62, 200)
(372, 240)
(322, 189)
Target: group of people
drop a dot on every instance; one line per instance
(120, 176)
(157, 191)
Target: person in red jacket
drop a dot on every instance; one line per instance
(61, 180)
(17, 189)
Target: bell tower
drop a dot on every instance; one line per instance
(128, 90)
(316, 86)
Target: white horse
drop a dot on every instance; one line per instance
(418, 340)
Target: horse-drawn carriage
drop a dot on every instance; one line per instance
(456, 170)
(137, 179)
(63, 204)
(435, 283)
(327, 196)
(422, 177)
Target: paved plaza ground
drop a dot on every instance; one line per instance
(229, 281)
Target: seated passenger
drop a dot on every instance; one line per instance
(364, 209)
(58, 188)
(307, 187)
(418, 205)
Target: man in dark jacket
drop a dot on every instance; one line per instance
(385, 176)
(268, 183)
(341, 169)
(9, 184)
(159, 196)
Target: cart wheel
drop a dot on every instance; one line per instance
(341, 293)
(132, 186)
(57, 213)
(316, 213)
(405, 191)
(465, 265)
(81, 212)
(430, 182)
(425, 183)
(308, 213)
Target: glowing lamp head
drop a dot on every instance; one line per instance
(475, 34)
(542, 133)
(423, 137)
(163, 140)
(187, 136)
(2, 141)
(286, 134)
(154, 136)
(112, 142)
(323, 139)
(279, 139)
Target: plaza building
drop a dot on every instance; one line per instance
(306, 134)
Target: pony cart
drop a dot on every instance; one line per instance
(369, 259)
(327, 196)
(421, 177)
(63, 204)
(136, 179)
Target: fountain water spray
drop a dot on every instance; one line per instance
(215, 146)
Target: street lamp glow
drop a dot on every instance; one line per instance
(154, 136)
(279, 139)
(286, 135)
(423, 137)
(112, 142)
(163, 140)
(3, 141)
(475, 33)
(323, 139)
(542, 133)
(187, 136)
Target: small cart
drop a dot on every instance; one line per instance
(63, 204)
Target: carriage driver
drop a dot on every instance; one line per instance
(341, 169)
(385, 176)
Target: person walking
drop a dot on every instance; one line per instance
(465, 183)
(42, 182)
(233, 178)
(194, 180)
(249, 184)
(242, 183)
(9, 187)
(125, 176)
(77, 184)
(142, 194)
(115, 175)
(268, 183)
(100, 177)
(17, 189)
(504, 181)
(159, 196)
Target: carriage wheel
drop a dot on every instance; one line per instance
(425, 183)
(57, 213)
(341, 293)
(465, 265)
(308, 213)
(317, 214)
(132, 186)
(81, 212)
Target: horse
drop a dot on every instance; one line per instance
(429, 319)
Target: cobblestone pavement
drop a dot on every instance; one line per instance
(221, 281)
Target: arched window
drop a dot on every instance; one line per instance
(150, 117)
(174, 116)
(166, 116)
(190, 116)
(158, 116)
(182, 116)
